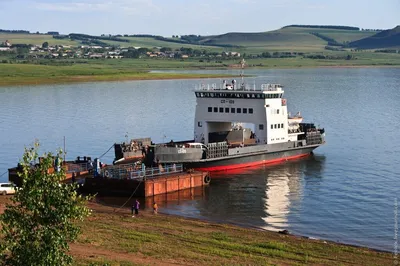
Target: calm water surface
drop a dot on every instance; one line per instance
(346, 192)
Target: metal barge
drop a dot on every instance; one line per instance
(128, 180)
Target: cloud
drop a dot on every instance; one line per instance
(244, 1)
(297, 4)
(316, 6)
(125, 6)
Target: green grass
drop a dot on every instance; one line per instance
(118, 239)
(34, 39)
(81, 70)
(111, 237)
(25, 74)
(340, 36)
(272, 41)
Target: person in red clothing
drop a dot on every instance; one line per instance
(155, 208)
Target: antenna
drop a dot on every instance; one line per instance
(64, 150)
(242, 63)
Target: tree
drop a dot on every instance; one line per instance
(45, 45)
(22, 51)
(165, 49)
(41, 219)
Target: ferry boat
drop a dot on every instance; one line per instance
(222, 141)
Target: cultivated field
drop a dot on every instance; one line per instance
(34, 39)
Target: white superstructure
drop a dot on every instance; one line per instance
(219, 107)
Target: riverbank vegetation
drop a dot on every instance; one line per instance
(29, 74)
(25, 72)
(112, 237)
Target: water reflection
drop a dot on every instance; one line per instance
(283, 188)
(276, 199)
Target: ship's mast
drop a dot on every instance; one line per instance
(242, 63)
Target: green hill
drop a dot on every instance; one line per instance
(339, 35)
(383, 39)
(296, 38)
(282, 40)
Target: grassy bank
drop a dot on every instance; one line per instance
(118, 239)
(27, 74)
(115, 238)
(79, 70)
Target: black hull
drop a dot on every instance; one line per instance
(247, 160)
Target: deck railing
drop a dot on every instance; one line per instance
(131, 172)
(239, 87)
(78, 167)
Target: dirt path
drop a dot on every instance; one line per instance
(88, 251)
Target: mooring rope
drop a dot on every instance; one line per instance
(115, 210)
(106, 151)
(4, 173)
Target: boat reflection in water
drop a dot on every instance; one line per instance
(262, 197)
(282, 187)
(284, 190)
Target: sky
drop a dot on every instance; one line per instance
(201, 17)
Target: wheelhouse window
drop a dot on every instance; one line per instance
(272, 126)
(233, 110)
(238, 110)
(261, 127)
(250, 110)
(277, 111)
(215, 109)
(226, 109)
(275, 126)
(209, 109)
(221, 109)
(244, 110)
(281, 125)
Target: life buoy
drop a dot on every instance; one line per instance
(106, 173)
(283, 101)
(207, 179)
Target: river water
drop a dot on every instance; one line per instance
(346, 192)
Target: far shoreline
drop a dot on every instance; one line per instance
(12, 81)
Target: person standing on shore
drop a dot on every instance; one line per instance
(155, 208)
(136, 207)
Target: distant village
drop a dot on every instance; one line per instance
(47, 51)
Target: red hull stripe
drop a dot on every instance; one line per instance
(243, 165)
